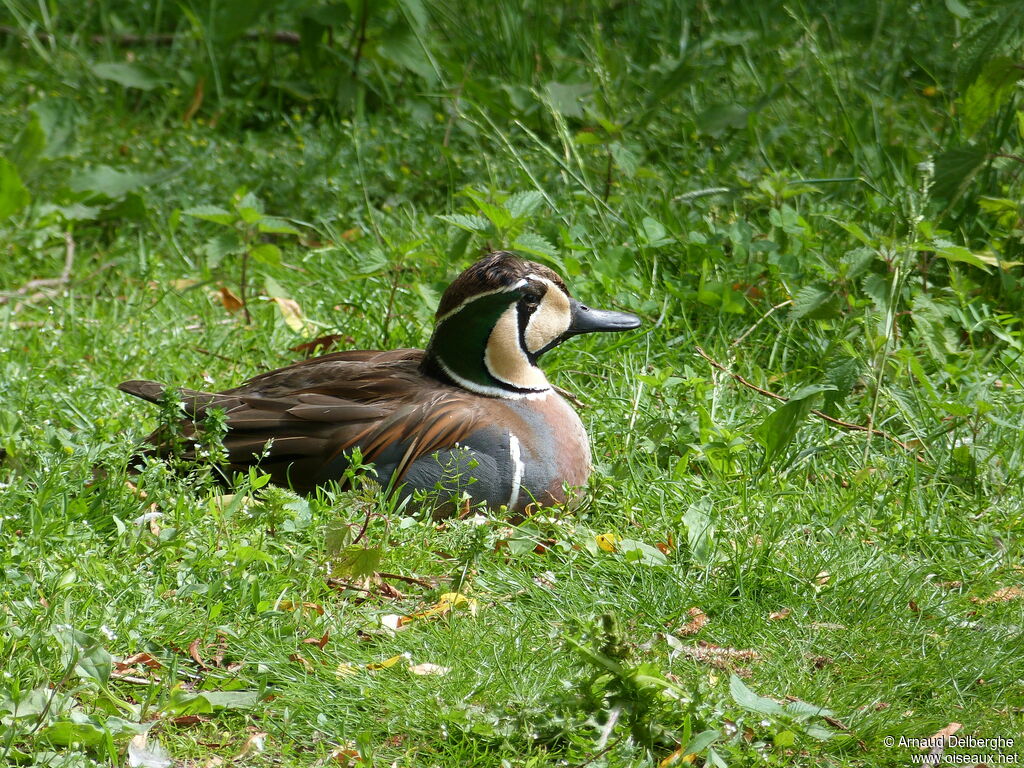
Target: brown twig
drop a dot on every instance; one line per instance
(361, 41)
(570, 397)
(47, 282)
(407, 579)
(820, 414)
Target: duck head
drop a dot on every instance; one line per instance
(498, 317)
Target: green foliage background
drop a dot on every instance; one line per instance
(825, 197)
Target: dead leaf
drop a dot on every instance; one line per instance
(319, 642)
(429, 669)
(183, 721)
(230, 301)
(719, 657)
(346, 756)
(388, 662)
(298, 658)
(944, 733)
(447, 603)
(693, 626)
(320, 343)
(292, 313)
(193, 651)
(253, 746)
(197, 100)
(1003, 595)
(677, 758)
(822, 578)
(780, 615)
(288, 605)
(912, 605)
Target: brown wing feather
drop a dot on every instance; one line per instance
(313, 412)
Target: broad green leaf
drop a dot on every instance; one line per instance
(13, 195)
(79, 729)
(702, 741)
(359, 561)
(129, 74)
(750, 701)
(700, 532)
(105, 181)
(522, 204)
(401, 46)
(566, 98)
(467, 222)
(878, 288)
(58, 118)
(211, 213)
(266, 253)
(989, 92)
(277, 226)
(416, 13)
(182, 702)
(94, 663)
(531, 242)
(29, 147)
(716, 120)
(855, 230)
(955, 169)
(654, 232)
(958, 9)
(816, 301)
(638, 552)
(777, 431)
(951, 252)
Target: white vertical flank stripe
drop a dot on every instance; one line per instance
(517, 469)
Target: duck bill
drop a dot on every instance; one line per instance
(587, 320)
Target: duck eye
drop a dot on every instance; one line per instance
(531, 302)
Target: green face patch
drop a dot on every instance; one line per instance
(460, 340)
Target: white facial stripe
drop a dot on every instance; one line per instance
(551, 319)
(505, 359)
(476, 296)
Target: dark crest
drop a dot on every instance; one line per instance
(493, 272)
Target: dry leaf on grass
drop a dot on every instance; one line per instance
(288, 605)
(292, 313)
(447, 603)
(253, 746)
(429, 669)
(345, 756)
(230, 301)
(719, 657)
(780, 615)
(319, 642)
(938, 740)
(697, 620)
(1002, 595)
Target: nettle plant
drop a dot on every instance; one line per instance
(243, 237)
(501, 220)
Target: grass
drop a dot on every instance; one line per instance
(749, 183)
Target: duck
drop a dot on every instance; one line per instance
(471, 419)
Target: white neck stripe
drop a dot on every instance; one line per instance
(517, 469)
